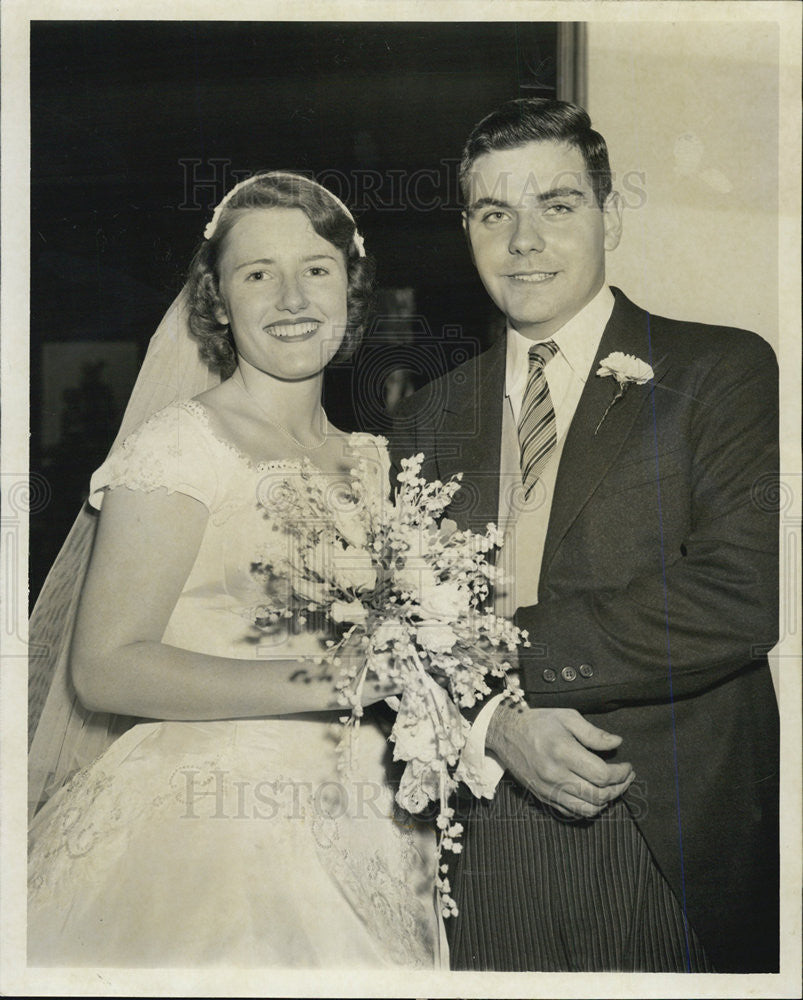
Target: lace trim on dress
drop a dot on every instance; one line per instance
(156, 454)
(370, 454)
(200, 411)
(72, 831)
(159, 456)
(359, 441)
(384, 897)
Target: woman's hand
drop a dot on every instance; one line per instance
(350, 657)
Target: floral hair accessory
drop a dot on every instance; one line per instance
(626, 369)
(211, 226)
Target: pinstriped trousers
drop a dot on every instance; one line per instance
(537, 893)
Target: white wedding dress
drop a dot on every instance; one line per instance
(230, 842)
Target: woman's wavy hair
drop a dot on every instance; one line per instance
(328, 219)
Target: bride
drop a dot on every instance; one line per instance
(223, 831)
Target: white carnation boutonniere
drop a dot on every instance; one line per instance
(626, 369)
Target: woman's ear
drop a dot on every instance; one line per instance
(221, 315)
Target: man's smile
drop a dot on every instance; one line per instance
(533, 277)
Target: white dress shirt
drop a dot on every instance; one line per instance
(525, 523)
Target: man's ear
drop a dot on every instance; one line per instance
(467, 234)
(612, 220)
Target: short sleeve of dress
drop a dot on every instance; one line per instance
(169, 451)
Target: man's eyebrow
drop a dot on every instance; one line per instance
(561, 192)
(484, 202)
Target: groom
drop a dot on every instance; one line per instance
(630, 459)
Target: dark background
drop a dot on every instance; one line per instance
(139, 128)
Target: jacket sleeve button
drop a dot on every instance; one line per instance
(550, 675)
(568, 673)
(586, 670)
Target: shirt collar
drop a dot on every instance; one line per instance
(577, 340)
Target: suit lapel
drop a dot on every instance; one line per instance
(587, 456)
(470, 437)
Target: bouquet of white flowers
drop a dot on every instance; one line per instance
(410, 588)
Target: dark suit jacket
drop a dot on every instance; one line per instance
(660, 574)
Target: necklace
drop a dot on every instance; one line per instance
(275, 423)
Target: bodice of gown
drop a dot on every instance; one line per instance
(177, 450)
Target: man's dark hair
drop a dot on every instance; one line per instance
(536, 119)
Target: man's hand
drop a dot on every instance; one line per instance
(549, 751)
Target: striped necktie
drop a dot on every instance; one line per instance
(537, 434)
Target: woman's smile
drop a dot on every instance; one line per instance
(298, 329)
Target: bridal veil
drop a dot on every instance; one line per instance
(62, 735)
